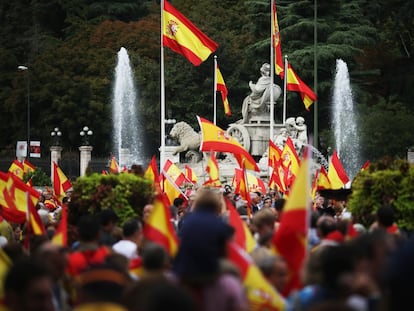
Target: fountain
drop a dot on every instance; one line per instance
(127, 130)
(344, 122)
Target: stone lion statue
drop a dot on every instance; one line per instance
(185, 135)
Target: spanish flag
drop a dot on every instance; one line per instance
(323, 180)
(274, 154)
(336, 172)
(214, 138)
(61, 235)
(221, 87)
(290, 240)
(17, 169)
(28, 167)
(61, 184)
(113, 166)
(295, 84)
(184, 38)
(279, 67)
(290, 157)
(174, 172)
(151, 172)
(189, 174)
(260, 294)
(159, 228)
(213, 171)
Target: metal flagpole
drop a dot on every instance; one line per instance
(285, 88)
(315, 76)
(272, 69)
(215, 90)
(162, 151)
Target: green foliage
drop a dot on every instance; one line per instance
(125, 193)
(385, 182)
(38, 177)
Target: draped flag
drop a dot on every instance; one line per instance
(213, 171)
(61, 184)
(189, 174)
(174, 172)
(274, 154)
(243, 190)
(28, 167)
(260, 293)
(184, 38)
(295, 84)
(221, 87)
(290, 240)
(279, 67)
(215, 139)
(151, 172)
(61, 235)
(242, 235)
(17, 168)
(159, 228)
(113, 166)
(277, 180)
(36, 224)
(336, 172)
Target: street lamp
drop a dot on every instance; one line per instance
(56, 134)
(25, 68)
(86, 133)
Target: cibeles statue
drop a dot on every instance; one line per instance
(296, 129)
(258, 102)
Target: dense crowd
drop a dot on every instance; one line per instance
(111, 266)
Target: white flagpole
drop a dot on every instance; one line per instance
(162, 151)
(285, 89)
(215, 90)
(272, 70)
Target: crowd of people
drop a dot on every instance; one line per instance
(111, 266)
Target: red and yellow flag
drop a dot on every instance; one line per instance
(213, 171)
(61, 235)
(214, 138)
(113, 166)
(61, 184)
(170, 188)
(28, 167)
(366, 165)
(290, 157)
(260, 293)
(184, 38)
(279, 66)
(290, 240)
(274, 154)
(159, 228)
(174, 172)
(295, 84)
(151, 172)
(323, 180)
(221, 87)
(36, 224)
(242, 235)
(189, 174)
(17, 168)
(336, 172)
(277, 180)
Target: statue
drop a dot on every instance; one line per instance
(302, 133)
(188, 139)
(281, 138)
(259, 99)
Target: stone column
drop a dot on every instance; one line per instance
(55, 156)
(85, 158)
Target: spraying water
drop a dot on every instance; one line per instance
(127, 130)
(344, 118)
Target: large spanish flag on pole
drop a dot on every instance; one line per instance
(279, 70)
(290, 240)
(221, 87)
(214, 138)
(184, 38)
(336, 172)
(295, 84)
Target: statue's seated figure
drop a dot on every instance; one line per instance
(258, 101)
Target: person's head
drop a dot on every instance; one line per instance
(132, 230)
(54, 258)
(108, 219)
(146, 211)
(385, 216)
(325, 225)
(28, 287)
(89, 228)
(179, 202)
(300, 120)
(154, 258)
(208, 200)
(275, 269)
(267, 202)
(319, 201)
(264, 222)
(256, 197)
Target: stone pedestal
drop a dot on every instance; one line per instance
(55, 156)
(169, 155)
(85, 158)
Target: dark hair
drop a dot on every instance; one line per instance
(154, 257)
(88, 228)
(178, 201)
(130, 227)
(107, 216)
(385, 215)
(326, 225)
(279, 204)
(22, 273)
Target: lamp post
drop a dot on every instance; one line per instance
(25, 68)
(85, 149)
(55, 149)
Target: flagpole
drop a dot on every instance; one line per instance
(285, 88)
(272, 71)
(215, 90)
(315, 76)
(162, 151)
